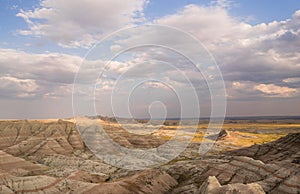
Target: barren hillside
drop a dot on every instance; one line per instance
(50, 157)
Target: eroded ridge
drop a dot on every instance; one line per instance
(50, 157)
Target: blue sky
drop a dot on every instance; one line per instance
(43, 42)
(252, 11)
(260, 11)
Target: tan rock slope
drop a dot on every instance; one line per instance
(38, 138)
(284, 150)
(18, 166)
(150, 181)
(50, 157)
(273, 166)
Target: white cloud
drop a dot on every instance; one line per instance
(208, 24)
(257, 61)
(248, 55)
(238, 85)
(115, 48)
(36, 75)
(155, 84)
(20, 88)
(241, 90)
(51, 67)
(292, 80)
(275, 91)
(76, 23)
(250, 91)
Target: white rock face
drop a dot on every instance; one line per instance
(212, 186)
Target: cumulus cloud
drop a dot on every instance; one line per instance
(36, 75)
(292, 80)
(247, 54)
(275, 91)
(209, 24)
(257, 61)
(21, 88)
(247, 90)
(79, 23)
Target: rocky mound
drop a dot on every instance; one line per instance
(223, 133)
(219, 136)
(212, 186)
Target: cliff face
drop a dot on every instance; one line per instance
(50, 157)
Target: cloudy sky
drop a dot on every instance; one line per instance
(256, 45)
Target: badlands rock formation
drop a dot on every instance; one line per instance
(50, 157)
(273, 166)
(24, 138)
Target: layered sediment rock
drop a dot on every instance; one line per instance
(50, 157)
(19, 166)
(284, 149)
(148, 181)
(22, 138)
(274, 171)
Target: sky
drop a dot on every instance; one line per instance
(45, 43)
